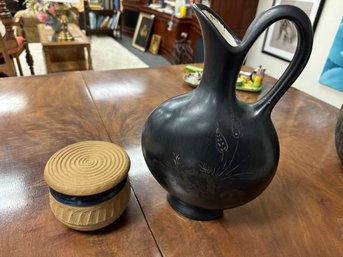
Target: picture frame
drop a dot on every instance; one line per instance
(155, 44)
(142, 32)
(280, 39)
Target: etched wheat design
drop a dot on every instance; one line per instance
(221, 143)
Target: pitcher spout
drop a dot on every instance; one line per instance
(221, 45)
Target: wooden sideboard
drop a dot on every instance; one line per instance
(237, 14)
(299, 214)
(169, 36)
(131, 9)
(65, 55)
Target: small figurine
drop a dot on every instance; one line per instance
(251, 81)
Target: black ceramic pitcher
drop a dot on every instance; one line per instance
(339, 135)
(208, 149)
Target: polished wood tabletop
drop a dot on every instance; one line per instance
(299, 214)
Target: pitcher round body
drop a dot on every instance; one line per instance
(208, 149)
(339, 135)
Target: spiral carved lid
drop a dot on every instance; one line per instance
(86, 168)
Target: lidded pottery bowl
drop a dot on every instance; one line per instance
(88, 184)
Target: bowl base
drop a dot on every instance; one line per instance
(193, 212)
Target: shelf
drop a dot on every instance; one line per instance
(102, 21)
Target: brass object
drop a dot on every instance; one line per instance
(62, 14)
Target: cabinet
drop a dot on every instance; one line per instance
(168, 35)
(237, 14)
(102, 21)
(131, 9)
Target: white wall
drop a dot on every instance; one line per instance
(308, 81)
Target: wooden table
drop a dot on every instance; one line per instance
(299, 214)
(65, 55)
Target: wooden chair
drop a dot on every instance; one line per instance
(7, 68)
(15, 45)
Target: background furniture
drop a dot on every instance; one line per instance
(15, 45)
(30, 22)
(131, 9)
(29, 28)
(168, 37)
(6, 64)
(237, 14)
(15, 6)
(299, 214)
(99, 16)
(65, 55)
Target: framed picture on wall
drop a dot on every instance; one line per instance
(281, 38)
(142, 31)
(155, 44)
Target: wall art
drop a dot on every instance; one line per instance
(281, 38)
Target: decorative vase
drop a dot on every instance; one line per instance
(339, 135)
(209, 150)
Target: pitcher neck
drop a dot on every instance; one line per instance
(221, 69)
(223, 57)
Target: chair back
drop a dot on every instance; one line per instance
(6, 63)
(8, 22)
(15, 45)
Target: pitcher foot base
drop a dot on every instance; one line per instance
(193, 212)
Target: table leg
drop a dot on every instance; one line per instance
(47, 59)
(90, 65)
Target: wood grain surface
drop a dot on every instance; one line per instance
(38, 116)
(299, 214)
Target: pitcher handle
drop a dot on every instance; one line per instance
(301, 56)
